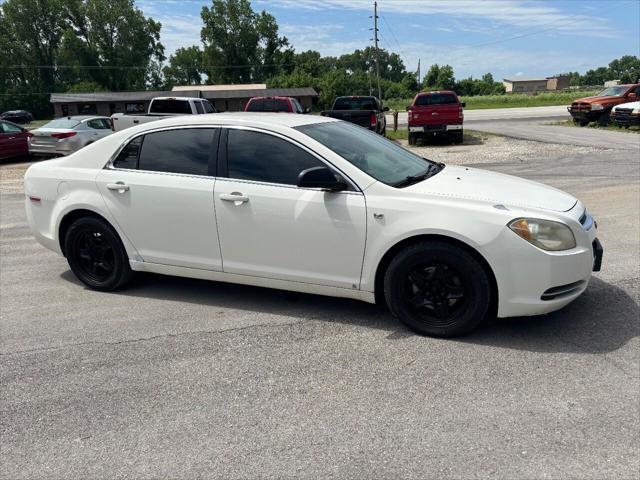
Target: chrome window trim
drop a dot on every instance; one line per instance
(109, 165)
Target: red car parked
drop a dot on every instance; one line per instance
(13, 140)
(435, 113)
(274, 104)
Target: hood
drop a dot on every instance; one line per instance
(632, 105)
(496, 188)
(609, 99)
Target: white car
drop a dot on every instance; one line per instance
(317, 205)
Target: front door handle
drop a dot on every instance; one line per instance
(120, 187)
(235, 197)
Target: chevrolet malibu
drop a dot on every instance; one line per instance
(316, 205)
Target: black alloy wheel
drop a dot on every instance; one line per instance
(96, 255)
(437, 288)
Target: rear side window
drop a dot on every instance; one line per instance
(177, 151)
(8, 128)
(128, 157)
(436, 99)
(99, 124)
(199, 108)
(266, 158)
(208, 108)
(170, 106)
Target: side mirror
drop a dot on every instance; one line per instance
(632, 95)
(385, 109)
(306, 110)
(408, 107)
(464, 104)
(321, 177)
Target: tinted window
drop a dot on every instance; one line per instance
(177, 151)
(265, 158)
(436, 99)
(8, 128)
(208, 107)
(170, 106)
(269, 105)
(199, 108)
(299, 108)
(128, 157)
(355, 103)
(98, 124)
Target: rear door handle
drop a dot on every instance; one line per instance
(120, 187)
(235, 197)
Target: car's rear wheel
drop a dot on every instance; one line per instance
(412, 139)
(457, 137)
(437, 289)
(96, 255)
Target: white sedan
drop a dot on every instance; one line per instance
(312, 204)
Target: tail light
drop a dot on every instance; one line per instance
(374, 119)
(64, 135)
(409, 115)
(29, 135)
(460, 114)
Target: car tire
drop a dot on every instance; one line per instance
(412, 139)
(457, 137)
(437, 289)
(96, 254)
(605, 118)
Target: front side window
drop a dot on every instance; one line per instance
(98, 124)
(373, 154)
(265, 158)
(199, 108)
(177, 151)
(9, 128)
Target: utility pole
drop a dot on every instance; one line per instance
(375, 38)
(418, 79)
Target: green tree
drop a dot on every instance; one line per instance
(430, 80)
(626, 69)
(185, 67)
(241, 46)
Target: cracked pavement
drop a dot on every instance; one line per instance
(184, 378)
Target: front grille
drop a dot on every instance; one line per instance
(623, 112)
(562, 290)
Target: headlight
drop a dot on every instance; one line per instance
(635, 111)
(596, 106)
(544, 234)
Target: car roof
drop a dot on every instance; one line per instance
(83, 117)
(420, 94)
(249, 119)
(177, 98)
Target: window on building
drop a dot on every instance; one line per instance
(87, 109)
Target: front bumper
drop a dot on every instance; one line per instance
(626, 120)
(588, 115)
(533, 281)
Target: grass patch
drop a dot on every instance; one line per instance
(612, 127)
(511, 100)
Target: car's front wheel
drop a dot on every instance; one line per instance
(96, 255)
(437, 289)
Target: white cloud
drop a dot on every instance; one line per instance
(520, 13)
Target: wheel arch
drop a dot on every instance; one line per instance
(391, 252)
(72, 216)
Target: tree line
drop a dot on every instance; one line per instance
(51, 46)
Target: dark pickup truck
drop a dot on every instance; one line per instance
(367, 112)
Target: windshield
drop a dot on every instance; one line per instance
(613, 92)
(373, 154)
(65, 122)
(355, 103)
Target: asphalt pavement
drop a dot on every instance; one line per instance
(182, 378)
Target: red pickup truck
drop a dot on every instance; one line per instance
(435, 113)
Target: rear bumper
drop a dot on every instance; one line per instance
(436, 129)
(53, 149)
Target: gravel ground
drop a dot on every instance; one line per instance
(482, 149)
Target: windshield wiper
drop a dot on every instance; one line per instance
(412, 179)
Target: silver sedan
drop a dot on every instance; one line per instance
(66, 135)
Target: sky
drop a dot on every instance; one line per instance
(533, 38)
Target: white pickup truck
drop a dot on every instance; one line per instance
(163, 107)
